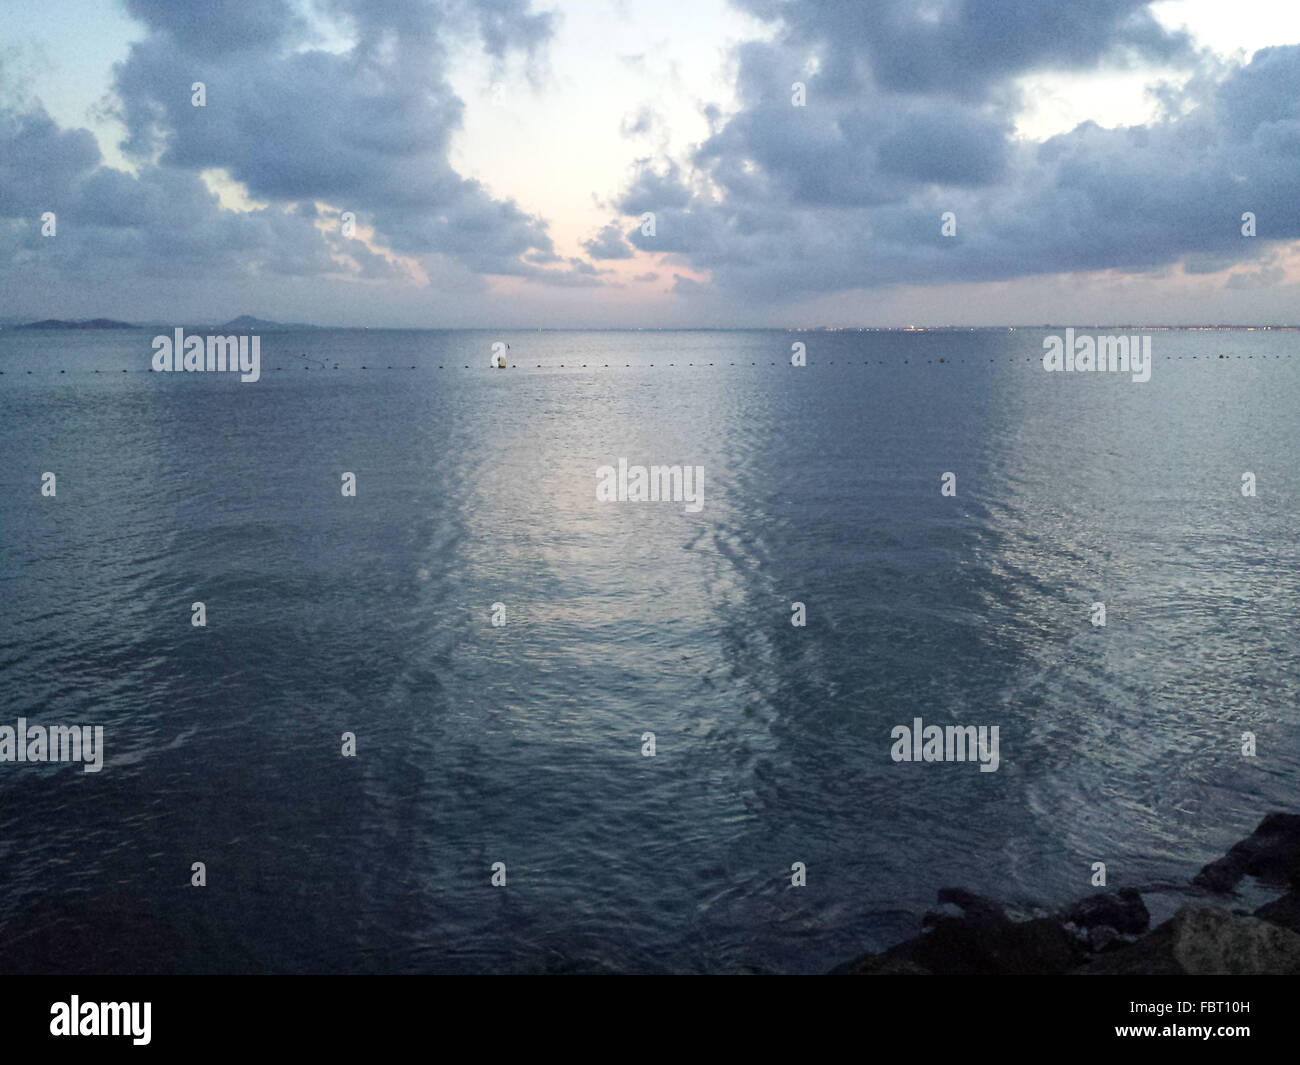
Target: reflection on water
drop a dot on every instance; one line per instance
(522, 743)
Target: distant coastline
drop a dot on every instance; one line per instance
(244, 323)
(247, 322)
(92, 323)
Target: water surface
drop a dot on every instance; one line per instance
(522, 744)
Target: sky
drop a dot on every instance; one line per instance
(495, 163)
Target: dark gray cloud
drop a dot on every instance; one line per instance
(158, 223)
(367, 130)
(40, 164)
(220, 26)
(911, 106)
(655, 187)
(963, 48)
(608, 244)
(578, 274)
(909, 114)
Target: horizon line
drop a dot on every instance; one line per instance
(12, 323)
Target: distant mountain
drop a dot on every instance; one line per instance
(247, 321)
(92, 323)
(243, 324)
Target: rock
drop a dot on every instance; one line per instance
(1123, 911)
(1107, 932)
(983, 940)
(1284, 911)
(1101, 937)
(879, 965)
(965, 905)
(939, 913)
(960, 946)
(1152, 955)
(1206, 941)
(1271, 852)
(1211, 941)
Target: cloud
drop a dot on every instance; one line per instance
(910, 113)
(639, 123)
(219, 27)
(608, 244)
(108, 222)
(40, 164)
(508, 25)
(367, 129)
(963, 48)
(911, 110)
(578, 274)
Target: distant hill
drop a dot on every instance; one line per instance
(243, 324)
(91, 323)
(247, 321)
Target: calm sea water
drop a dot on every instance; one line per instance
(522, 744)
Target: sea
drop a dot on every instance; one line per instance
(587, 734)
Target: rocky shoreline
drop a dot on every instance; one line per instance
(1109, 932)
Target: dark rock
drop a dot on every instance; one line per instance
(975, 909)
(963, 947)
(1284, 911)
(879, 965)
(1271, 853)
(1212, 941)
(1107, 932)
(1204, 941)
(982, 941)
(939, 913)
(1102, 937)
(1123, 911)
(1219, 876)
(1152, 955)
